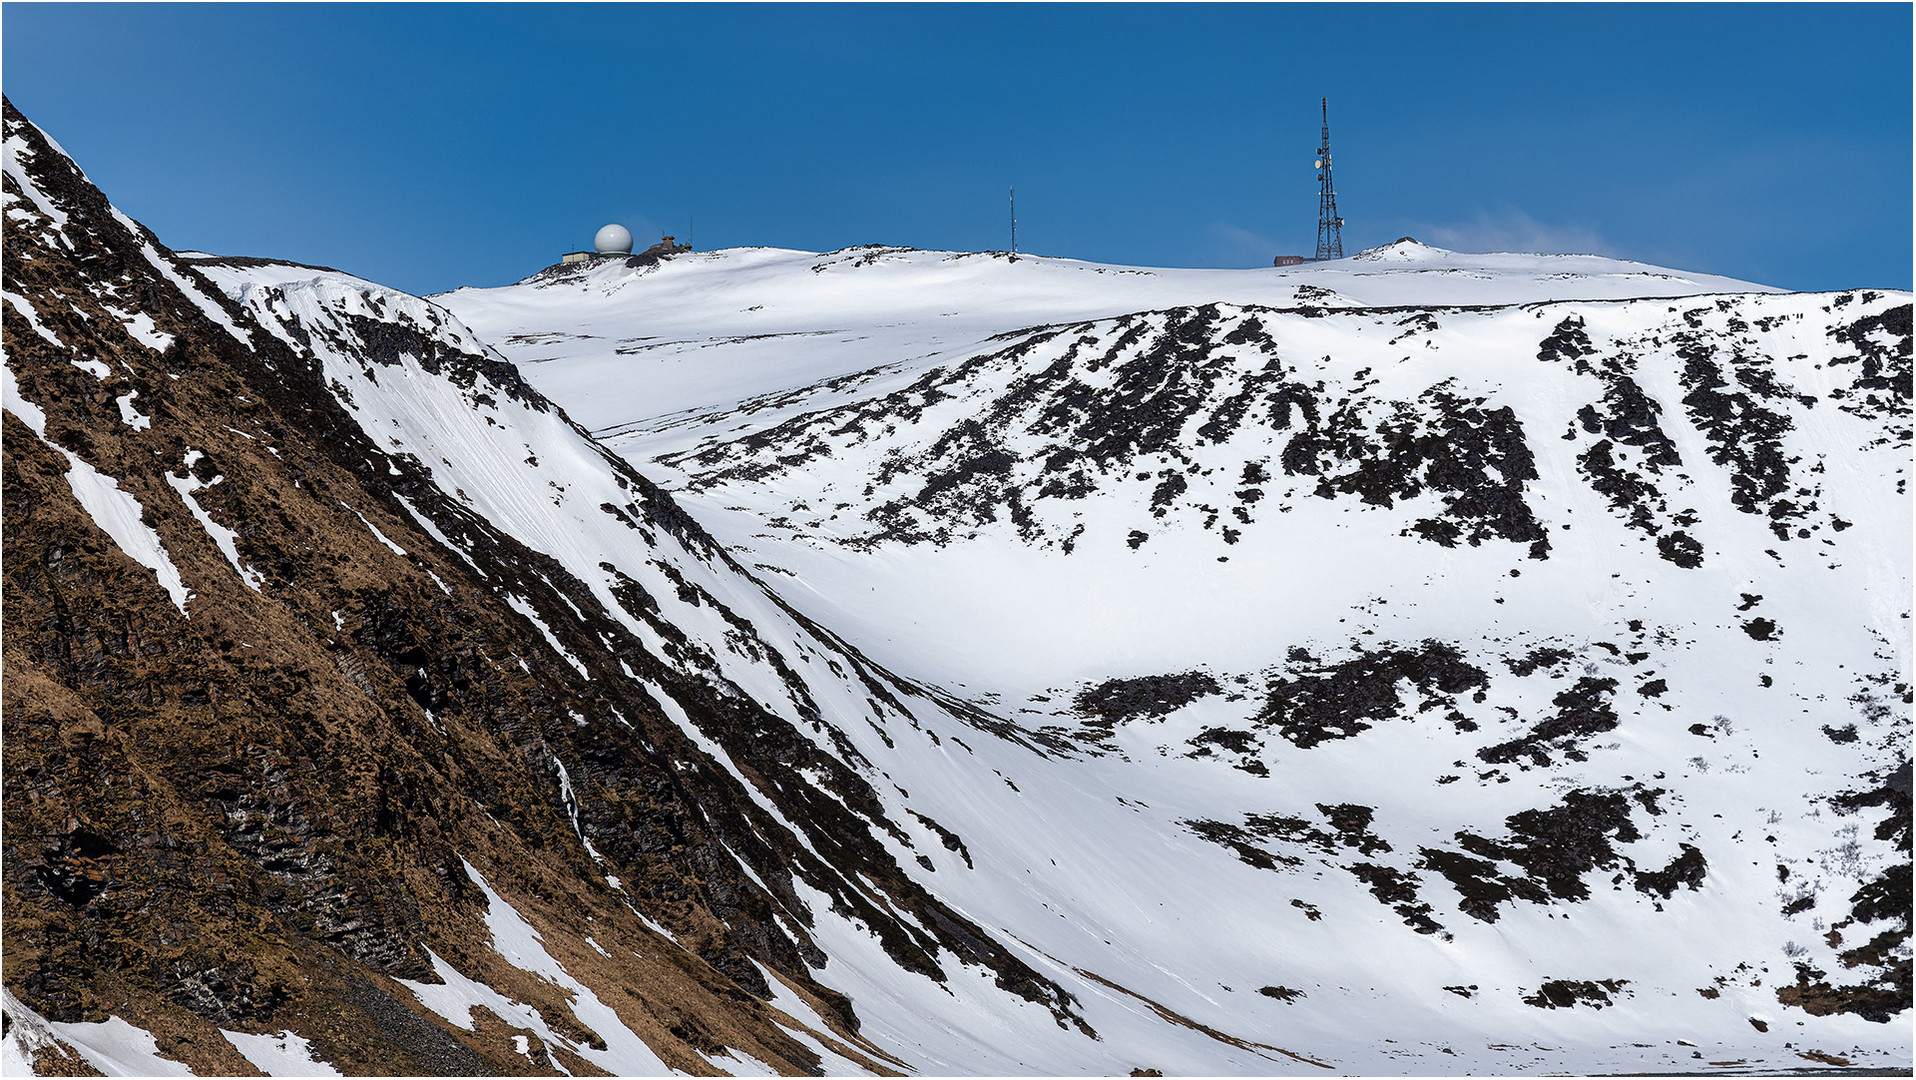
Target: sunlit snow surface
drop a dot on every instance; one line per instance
(282, 1054)
(1084, 859)
(616, 346)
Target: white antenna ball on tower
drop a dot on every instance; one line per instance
(613, 240)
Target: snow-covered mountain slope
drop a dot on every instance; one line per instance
(1162, 466)
(370, 712)
(1563, 635)
(362, 712)
(627, 341)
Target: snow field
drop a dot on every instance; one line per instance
(1087, 862)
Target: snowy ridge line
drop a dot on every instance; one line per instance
(16, 157)
(745, 312)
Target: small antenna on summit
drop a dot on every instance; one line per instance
(1014, 223)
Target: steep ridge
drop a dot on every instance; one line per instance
(1468, 617)
(304, 721)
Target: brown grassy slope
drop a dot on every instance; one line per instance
(247, 818)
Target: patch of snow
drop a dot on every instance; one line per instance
(521, 945)
(432, 530)
(17, 404)
(532, 615)
(116, 512)
(808, 1027)
(226, 539)
(284, 1054)
(390, 546)
(140, 325)
(131, 416)
(25, 307)
(113, 1046)
(571, 800)
(455, 996)
(739, 1063)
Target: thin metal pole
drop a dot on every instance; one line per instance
(1014, 221)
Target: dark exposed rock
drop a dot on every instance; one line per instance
(1878, 969)
(1881, 388)
(1567, 341)
(1557, 846)
(1341, 700)
(1582, 710)
(1745, 435)
(1475, 458)
(1117, 701)
(1687, 869)
(1540, 657)
(1566, 993)
(1398, 890)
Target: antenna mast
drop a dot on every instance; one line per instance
(1330, 227)
(1014, 223)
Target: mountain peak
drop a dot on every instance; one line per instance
(1402, 249)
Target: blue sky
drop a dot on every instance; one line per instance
(430, 146)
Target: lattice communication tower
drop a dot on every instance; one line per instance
(1330, 227)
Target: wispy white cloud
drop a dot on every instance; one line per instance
(1513, 230)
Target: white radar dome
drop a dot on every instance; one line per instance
(613, 240)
